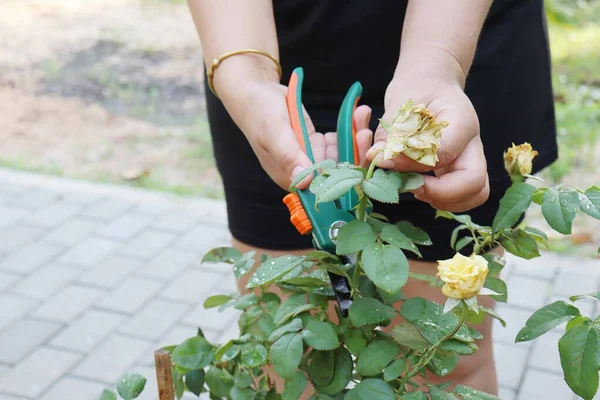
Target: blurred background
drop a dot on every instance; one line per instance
(111, 91)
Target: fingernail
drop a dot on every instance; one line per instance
(297, 169)
(381, 163)
(378, 146)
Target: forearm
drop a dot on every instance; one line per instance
(442, 32)
(229, 25)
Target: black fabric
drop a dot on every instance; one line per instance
(338, 42)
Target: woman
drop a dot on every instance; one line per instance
(483, 66)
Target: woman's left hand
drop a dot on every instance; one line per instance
(461, 180)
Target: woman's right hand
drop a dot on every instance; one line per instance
(257, 104)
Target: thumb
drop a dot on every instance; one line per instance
(287, 156)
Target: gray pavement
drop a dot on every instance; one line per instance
(94, 278)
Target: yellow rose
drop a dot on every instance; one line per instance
(463, 276)
(415, 133)
(518, 160)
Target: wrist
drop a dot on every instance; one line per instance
(435, 63)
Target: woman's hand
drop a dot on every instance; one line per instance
(461, 181)
(258, 106)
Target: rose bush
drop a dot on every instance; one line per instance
(294, 332)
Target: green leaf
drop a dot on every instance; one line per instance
(460, 348)
(381, 188)
(292, 306)
(391, 298)
(492, 313)
(464, 242)
(337, 184)
(593, 296)
(320, 335)
(559, 209)
(394, 370)
(321, 367)
(432, 280)
(545, 319)
(442, 363)
(579, 354)
(417, 235)
(589, 202)
(342, 373)
(537, 235)
(219, 382)
(406, 181)
(366, 311)
(242, 394)
(498, 286)
(316, 183)
(285, 354)
(463, 219)
(465, 392)
(273, 269)
(294, 326)
(454, 236)
(429, 318)
(108, 395)
(354, 236)
(194, 353)
(178, 384)
(242, 379)
(376, 356)
(253, 355)
(521, 244)
(370, 389)
(227, 255)
(386, 266)
(194, 380)
(407, 335)
(244, 264)
(538, 196)
(295, 387)
(216, 300)
(414, 396)
(512, 205)
(355, 341)
(438, 394)
(325, 164)
(581, 320)
(227, 352)
(392, 235)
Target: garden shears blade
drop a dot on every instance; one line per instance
(324, 223)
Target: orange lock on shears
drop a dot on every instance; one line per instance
(298, 216)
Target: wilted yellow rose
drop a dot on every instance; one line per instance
(463, 276)
(518, 160)
(415, 133)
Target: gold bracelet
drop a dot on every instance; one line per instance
(210, 73)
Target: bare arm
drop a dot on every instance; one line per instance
(228, 25)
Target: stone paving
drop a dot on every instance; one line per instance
(94, 278)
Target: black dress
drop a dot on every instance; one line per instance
(337, 43)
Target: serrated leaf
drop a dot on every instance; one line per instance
(407, 335)
(320, 335)
(464, 242)
(589, 202)
(295, 387)
(462, 218)
(465, 391)
(498, 286)
(386, 266)
(537, 235)
(414, 396)
(273, 269)
(538, 195)
(219, 382)
(292, 327)
(291, 307)
(521, 244)
(593, 296)
(460, 348)
(442, 363)
(492, 313)
(417, 235)
(495, 263)
(285, 354)
(227, 255)
(407, 181)
(354, 236)
(581, 320)
(342, 373)
(559, 208)
(316, 183)
(337, 184)
(546, 319)
(321, 367)
(325, 164)
(242, 379)
(376, 356)
(253, 355)
(355, 341)
(108, 395)
(194, 381)
(392, 235)
(381, 188)
(193, 353)
(242, 266)
(242, 393)
(216, 300)
(429, 319)
(368, 311)
(513, 204)
(227, 352)
(394, 370)
(438, 394)
(432, 280)
(579, 353)
(370, 389)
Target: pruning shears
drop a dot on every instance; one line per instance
(324, 223)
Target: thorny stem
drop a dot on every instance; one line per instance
(362, 205)
(431, 350)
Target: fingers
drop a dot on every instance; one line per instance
(461, 206)
(362, 117)
(364, 138)
(461, 184)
